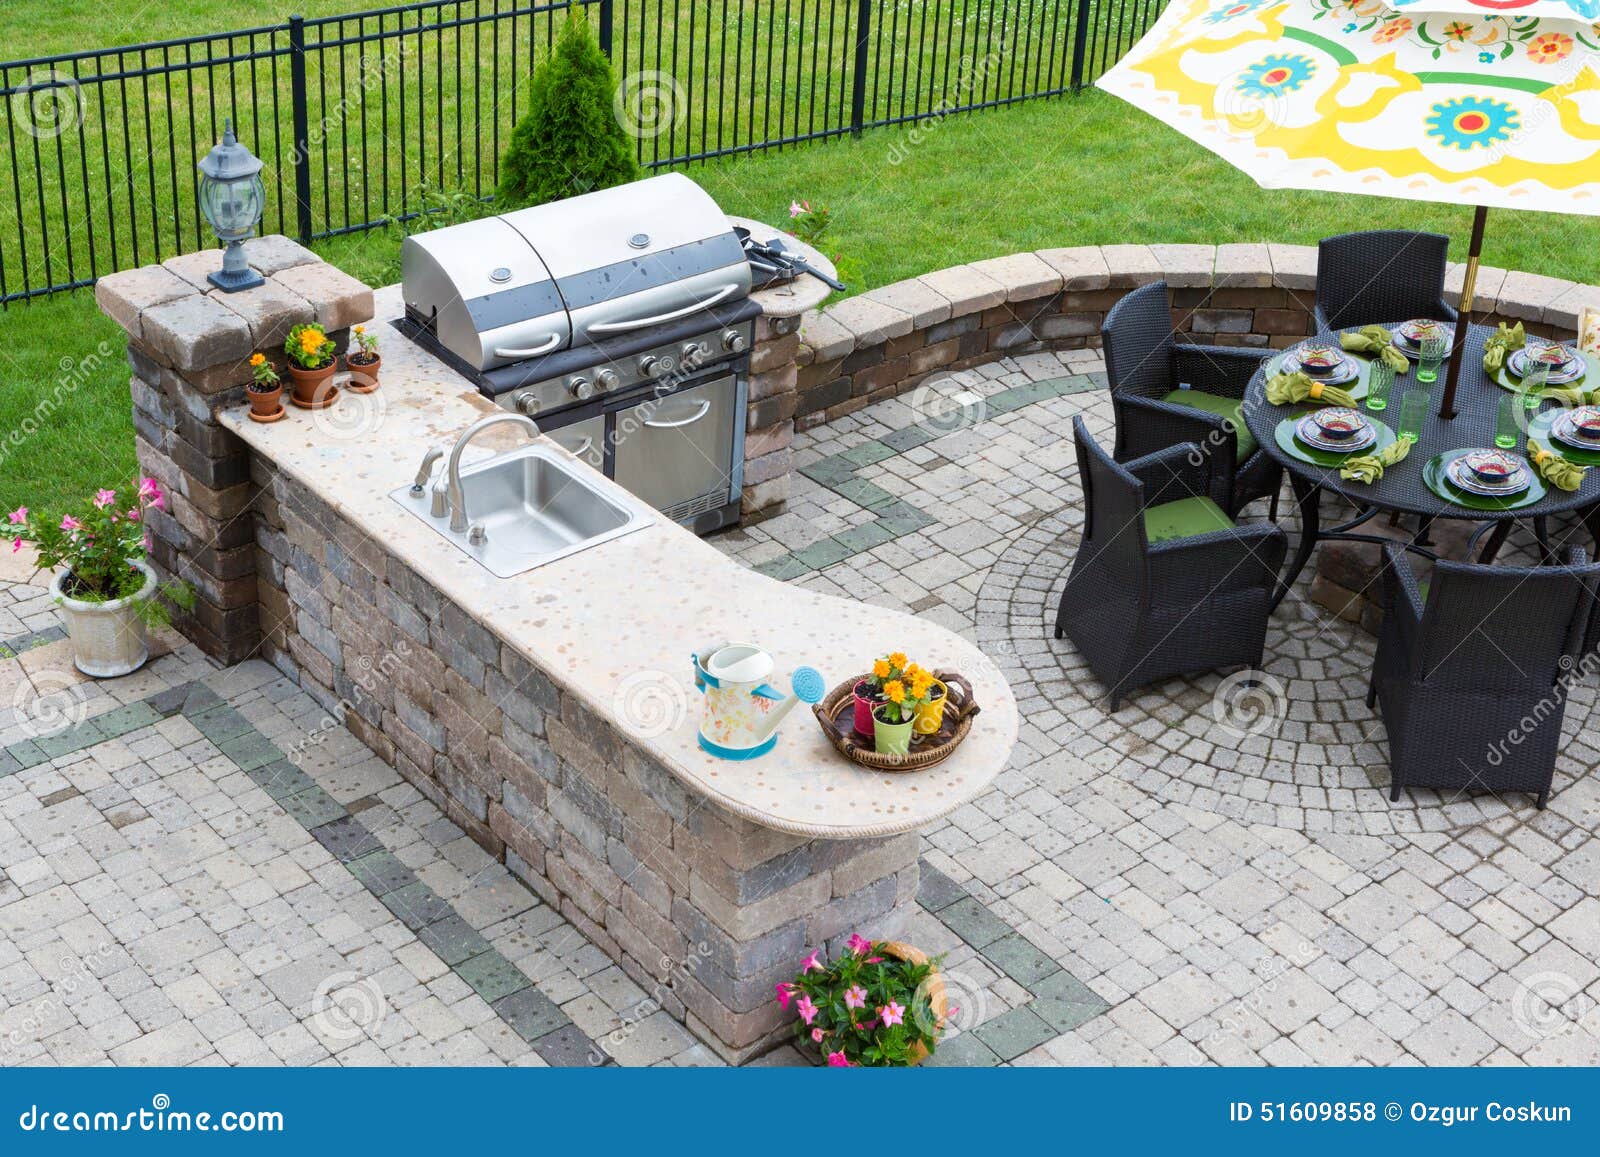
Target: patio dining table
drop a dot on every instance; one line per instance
(1402, 490)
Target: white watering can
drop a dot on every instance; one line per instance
(743, 710)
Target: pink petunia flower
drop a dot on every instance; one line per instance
(785, 992)
(133, 514)
(892, 1013)
(855, 997)
(807, 1010)
(104, 498)
(811, 963)
(795, 208)
(837, 1060)
(874, 960)
(71, 523)
(148, 489)
(817, 1034)
(16, 546)
(19, 516)
(860, 945)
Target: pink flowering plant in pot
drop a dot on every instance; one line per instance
(107, 591)
(878, 1004)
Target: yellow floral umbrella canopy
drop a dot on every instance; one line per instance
(1478, 107)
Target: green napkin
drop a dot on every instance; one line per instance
(1285, 389)
(1377, 342)
(1368, 468)
(1501, 342)
(1569, 395)
(1553, 468)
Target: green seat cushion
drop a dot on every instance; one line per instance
(1184, 519)
(1229, 408)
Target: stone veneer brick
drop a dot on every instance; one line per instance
(704, 907)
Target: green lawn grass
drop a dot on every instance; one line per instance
(1069, 171)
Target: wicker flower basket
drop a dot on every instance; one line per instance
(837, 711)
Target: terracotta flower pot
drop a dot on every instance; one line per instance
(313, 389)
(265, 403)
(363, 375)
(937, 1001)
(864, 703)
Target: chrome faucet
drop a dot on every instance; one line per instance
(458, 500)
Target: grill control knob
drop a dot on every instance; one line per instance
(580, 387)
(652, 366)
(526, 402)
(607, 379)
(693, 352)
(733, 341)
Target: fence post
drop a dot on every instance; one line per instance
(607, 17)
(1080, 44)
(858, 83)
(301, 157)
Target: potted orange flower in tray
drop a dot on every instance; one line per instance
(310, 353)
(892, 719)
(931, 693)
(869, 691)
(363, 361)
(264, 389)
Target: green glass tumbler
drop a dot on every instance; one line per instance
(1434, 347)
(1413, 413)
(1509, 422)
(1380, 379)
(1533, 386)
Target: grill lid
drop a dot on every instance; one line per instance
(574, 272)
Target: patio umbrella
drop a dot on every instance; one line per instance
(1476, 102)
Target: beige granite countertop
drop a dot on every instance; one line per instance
(616, 624)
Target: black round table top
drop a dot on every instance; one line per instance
(1401, 488)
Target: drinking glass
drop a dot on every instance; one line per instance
(1380, 378)
(1433, 349)
(1509, 422)
(1533, 385)
(1413, 412)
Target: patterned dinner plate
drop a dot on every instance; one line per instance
(1437, 476)
(1344, 372)
(1461, 471)
(1309, 430)
(1408, 335)
(1562, 373)
(1568, 427)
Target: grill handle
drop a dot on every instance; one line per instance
(705, 408)
(644, 322)
(545, 347)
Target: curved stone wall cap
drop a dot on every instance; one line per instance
(795, 297)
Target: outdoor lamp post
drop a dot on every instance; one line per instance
(232, 197)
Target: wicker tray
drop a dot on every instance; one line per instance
(835, 713)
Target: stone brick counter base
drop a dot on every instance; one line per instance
(190, 345)
(889, 341)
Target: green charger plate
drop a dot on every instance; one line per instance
(1433, 475)
(1506, 380)
(1356, 389)
(1540, 431)
(1291, 445)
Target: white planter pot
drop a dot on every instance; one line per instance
(108, 639)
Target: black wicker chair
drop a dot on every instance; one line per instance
(1164, 583)
(1146, 369)
(1383, 276)
(1472, 686)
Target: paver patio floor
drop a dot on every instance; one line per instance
(1156, 887)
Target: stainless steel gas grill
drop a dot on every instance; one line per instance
(620, 320)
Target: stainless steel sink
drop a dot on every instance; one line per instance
(528, 507)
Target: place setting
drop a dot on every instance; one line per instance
(1323, 363)
(1330, 436)
(1487, 478)
(1534, 365)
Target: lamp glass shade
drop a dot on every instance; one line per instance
(232, 206)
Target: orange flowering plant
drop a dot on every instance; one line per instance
(886, 670)
(263, 376)
(906, 692)
(309, 346)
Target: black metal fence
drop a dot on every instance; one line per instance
(355, 115)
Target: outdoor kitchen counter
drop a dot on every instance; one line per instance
(616, 624)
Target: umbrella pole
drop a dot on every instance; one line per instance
(1469, 284)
